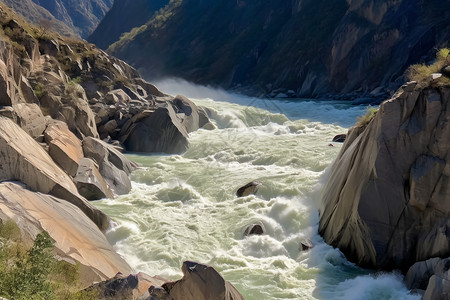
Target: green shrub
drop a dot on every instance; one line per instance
(39, 90)
(420, 72)
(365, 120)
(35, 273)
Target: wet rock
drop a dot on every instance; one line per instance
(340, 138)
(90, 182)
(249, 188)
(201, 282)
(305, 245)
(255, 229)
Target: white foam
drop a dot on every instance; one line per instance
(184, 206)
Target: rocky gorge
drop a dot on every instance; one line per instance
(68, 111)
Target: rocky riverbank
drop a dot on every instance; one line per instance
(386, 202)
(67, 112)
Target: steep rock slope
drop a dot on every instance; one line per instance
(39, 15)
(82, 17)
(58, 97)
(133, 13)
(310, 47)
(386, 203)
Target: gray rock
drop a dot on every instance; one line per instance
(113, 165)
(201, 282)
(30, 118)
(249, 188)
(23, 159)
(420, 273)
(64, 147)
(385, 204)
(162, 131)
(90, 182)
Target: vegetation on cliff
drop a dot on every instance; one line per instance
(70, 18)
(422, 72)
(310, 47)
(33, 272)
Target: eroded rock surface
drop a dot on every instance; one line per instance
(77, 238)
(23, 159)
(386, 203)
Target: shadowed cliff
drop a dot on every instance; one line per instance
(310, 47)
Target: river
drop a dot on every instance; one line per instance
(184, 207)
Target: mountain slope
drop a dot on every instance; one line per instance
(134, 13)
(81, 17)
(312, 47)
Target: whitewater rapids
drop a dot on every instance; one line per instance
(184, 207)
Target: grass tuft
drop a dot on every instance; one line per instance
(422, 72)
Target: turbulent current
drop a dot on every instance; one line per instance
(184, 207)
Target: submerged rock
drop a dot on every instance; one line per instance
(201, 282)
(256, 229)
(340, 138)
(386, 203)
(305, 245)
(249, 188)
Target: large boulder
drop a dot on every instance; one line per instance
(386, 202)
(63, 146)
(201, 282)
(23, 159)
(113, 165)
(165, 130)
(77, 238)
(90, 182)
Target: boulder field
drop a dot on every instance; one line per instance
(68, 111)
(386, 204)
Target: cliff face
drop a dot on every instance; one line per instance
(132, 13)
(69, 17)
(310, 47)
(387, 200)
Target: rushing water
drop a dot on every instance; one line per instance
(183, 207)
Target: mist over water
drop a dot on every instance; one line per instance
(184, 207)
